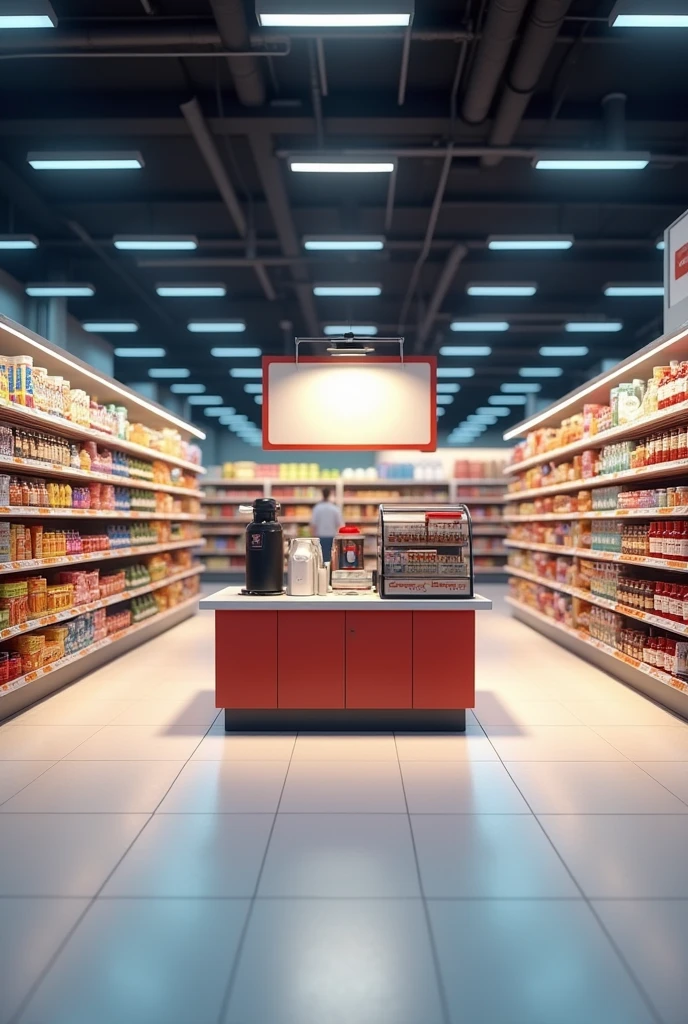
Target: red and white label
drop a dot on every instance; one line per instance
(681, 262)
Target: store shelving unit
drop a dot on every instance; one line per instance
(574, 580)
(359, 499)
(175, 516)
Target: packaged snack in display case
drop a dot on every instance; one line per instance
(425, 551)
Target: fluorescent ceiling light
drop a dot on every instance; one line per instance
(581, 160)
(322, 243)
(85, 161)
(253, 389)
(258, 399)
(540, 371)
(305, 15)
(440, 411)
(236, 353)
(219, 410)
(494, 410)
(246, 372)
(448, 389)
(169, 373)
(593, 327)
(569, 351)
(479, 325)
(649, 14)
(507, 400)
(18, 242)
(444, 399)
(477, 417)
(661, 245)
(140, 353)
(362, 330)
(341, 166)
(187, 389)
(216, 326)
(529, 242)
(633, 290)
(455, 371)
(205, 399)
(60, 290)
(168, 291)
(148, 243)
(347, 289)
(521, 389)
(511, 290)
(465, 350)
(26, 14)
(110, 326)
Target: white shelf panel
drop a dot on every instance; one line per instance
(600, 556)
(678, 467)
(677, 512)
(97, 556)
(32, 677)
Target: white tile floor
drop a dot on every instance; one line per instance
(154, 870)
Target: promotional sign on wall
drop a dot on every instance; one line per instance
(365, 404)
(676, 274)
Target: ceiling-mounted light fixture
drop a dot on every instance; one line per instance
(27, 14)
(455, 371)
(202, 291)
(661, 245)
(155, 243)
(339, 14)
(581, 160)
(349, 243)
(360, 290)
(447, 389)
(568, 351)
(18, 242)
(247, 372)
(360, 330)
(593, 326)
(444, 399)
(110, 326)
(358, 350)
(527, 243)
(634, 290)
(479, 326)
(87, 161)
(540, 371)
(169, 373)
(216, 326)
(507, 400)
(205, 399)
(504, 290)
(521, 389)
(187, 389)
(59, 290)
(236, 353)
(320, 164)
(465, 350)
(253, 389)
(140, 353)
(649, 14)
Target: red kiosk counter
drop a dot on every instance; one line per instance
(344, 661)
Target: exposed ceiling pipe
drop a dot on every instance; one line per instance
(539, 37)
(246, 73)
(501, 26)
(614, 115)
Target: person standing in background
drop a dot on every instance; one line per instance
(325, 522)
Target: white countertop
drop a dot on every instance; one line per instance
(231, 599)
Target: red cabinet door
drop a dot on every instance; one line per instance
(379, 659)
(443, 659)
(310, 659)
(246, 659)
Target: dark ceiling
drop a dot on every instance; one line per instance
(118, 80)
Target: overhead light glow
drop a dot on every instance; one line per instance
(444, 399)
(342, 20)
(253, 389)
(508, 243)
(205, 399)
(455, 371)
(16, 242)
(521, 389)
(369, 290)
(169, 373)
(599, 161)
(495, 410)
(168, 291)
(506, 290)
(249, 372)
(661, 245)
(465, 350)
(652, 14)
(540, 371)
(593, 326)
(258, 399)
(478, 417)
(448, 389)
(187, 389)
(362, 330)
(569, 351)
(471, 326)
(236, 353)
(216, 326)
(634, 290)
(66, 291)
(440, 411)
(219, 410)
(366, 243)
(27, 14)
(341, 167)
(507, 400)
(154, 243)
(140, 353)
(128, 161)
(110, 326)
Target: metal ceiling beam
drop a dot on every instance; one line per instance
(499, 32)
(452, 263)
(270, 174)
(247, 75)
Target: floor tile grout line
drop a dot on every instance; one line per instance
(93, 899)
(649, 1005)
(444, 999)
(3, 802)
(234, 970)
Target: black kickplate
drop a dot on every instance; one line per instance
(402, 720)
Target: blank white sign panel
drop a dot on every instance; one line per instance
(340, 404)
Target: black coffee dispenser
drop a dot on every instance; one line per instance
(264, 549)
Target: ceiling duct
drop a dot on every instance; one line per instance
(542, 29)
(245, 71)
(501, 25)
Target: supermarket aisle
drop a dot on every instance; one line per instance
(530, 872)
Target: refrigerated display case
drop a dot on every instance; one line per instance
(425, 550)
